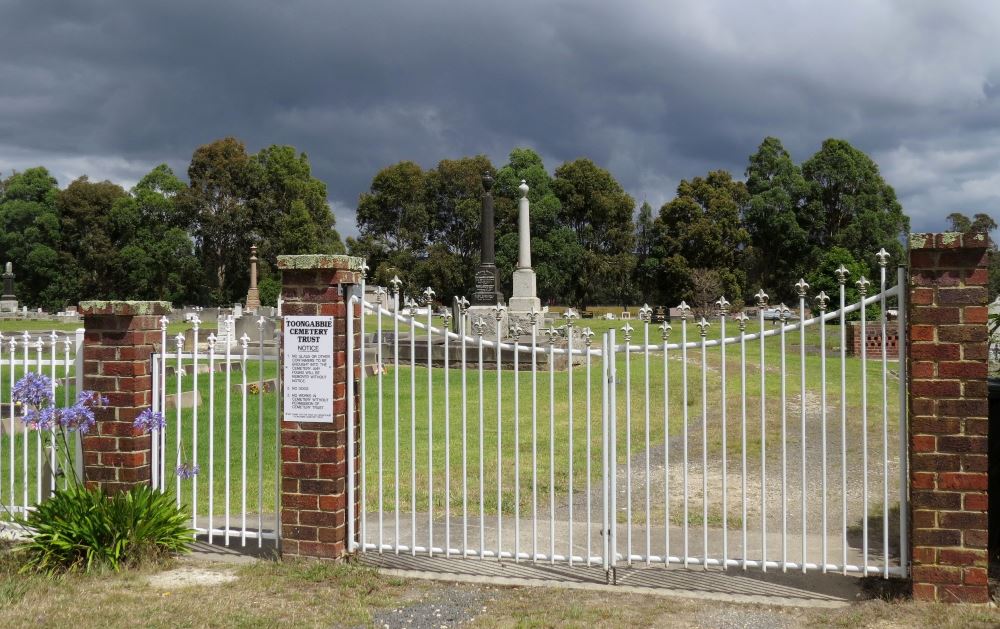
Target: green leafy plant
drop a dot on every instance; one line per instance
(86, 529)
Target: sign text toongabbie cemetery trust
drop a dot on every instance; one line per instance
(308, 373)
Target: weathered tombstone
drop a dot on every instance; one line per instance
(486, 298)
(8, 302)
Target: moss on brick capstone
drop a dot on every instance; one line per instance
(321, 261)
(124, 307)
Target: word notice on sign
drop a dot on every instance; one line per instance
(308, 373)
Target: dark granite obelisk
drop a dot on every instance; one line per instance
(486, 292)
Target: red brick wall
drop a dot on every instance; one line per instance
(873, 342)
(118, 340)
(314, 455)
(948, 416)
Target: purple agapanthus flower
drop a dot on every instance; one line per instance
(186, 470)
(90, 398)
(79, 417)
(34, 389)
(149, 420)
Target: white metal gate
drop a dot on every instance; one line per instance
(634, 446)
(26, 462)
(218, 451)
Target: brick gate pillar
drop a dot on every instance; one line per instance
(118, 340)
(314, 454)
(949, 422)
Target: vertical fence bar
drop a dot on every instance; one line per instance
(665, 330)
(703, 332)
(10, 438)
(842, 274)
(39, 344)
(569, 369)
(534, 435)
(723, 310)
(196, 324)
(13, 462)
(821, 300)
(782, 318)
(244, 342)
(515, 332)
(395, 398)
(685, 309)
(802, 287)
(228, 423)
(588, 335)
(52, 433)
(350, 425)
(605, 452)
(211, 437)
(447, 438)
(499, 352)
(380, 365)
(412, 307)
(162, 434)
(179, 340)
(260, 431)
(613, 447)
(862, 291)
(742, 321)
(883, 259)
(465, 449)
(904, 508)
(627, 330)
(761, 298)
(480, 328)
(362, 451)
(429, 294)
(644, 315)
(551, 333)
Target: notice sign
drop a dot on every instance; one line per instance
(308, 373)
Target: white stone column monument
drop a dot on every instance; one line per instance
(524, 298)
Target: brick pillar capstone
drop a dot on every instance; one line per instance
(119, 337)
(314, 454)
(948, 408)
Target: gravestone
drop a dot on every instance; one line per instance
(8, 302)
(253, 296)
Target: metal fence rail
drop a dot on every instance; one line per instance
(553, 447)
(220, 459)
(28, 467)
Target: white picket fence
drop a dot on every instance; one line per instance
(453, 460)
(26, 463)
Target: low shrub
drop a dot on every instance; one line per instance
(86, 529)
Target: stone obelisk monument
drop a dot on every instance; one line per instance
(525, 298)
(253, 297)
(487, 296)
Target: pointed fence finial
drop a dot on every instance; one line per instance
(463, 305)
(802, 286)
(588, 336)
(703, 326)
(723, 305)
(842, 274)
(498, 311)
(627, 329)
(428, 295)
(533, 316)
(446, 317)
(163, 322)
(863, 285)
(179, 340)
(741, 320)
(645, 313)
(569, 315)
(761, 298)
(244, 341)
(665, 330)
(552, 333)
(396, 284)
(882, 256)
(515, 330)
(783, 312)
(364, 270)
(685, 310)
(380, 294)
(822, 300)
(479, 326)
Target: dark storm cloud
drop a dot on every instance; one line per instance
(656, 92)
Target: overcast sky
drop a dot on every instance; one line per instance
(654, 91)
